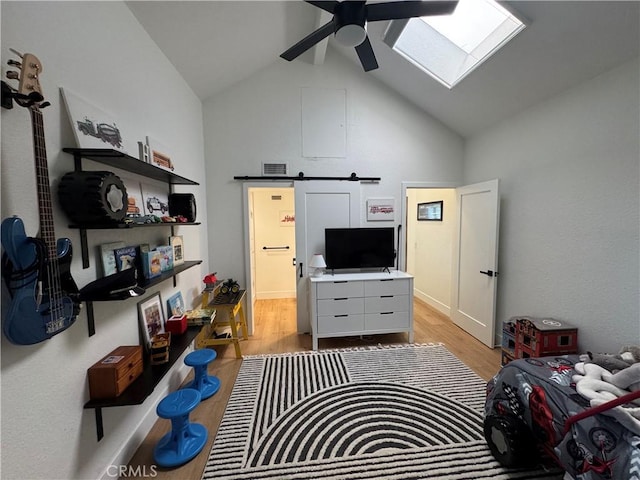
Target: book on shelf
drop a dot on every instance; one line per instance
(108, 258)
(166, 257)
(200, 316)
(151, 264)
(126, 257)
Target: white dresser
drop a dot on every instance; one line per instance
(346, 304)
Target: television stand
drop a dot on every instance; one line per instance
(354, 304)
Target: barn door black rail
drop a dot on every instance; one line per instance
(352, 178)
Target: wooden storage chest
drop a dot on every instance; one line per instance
(111, 375)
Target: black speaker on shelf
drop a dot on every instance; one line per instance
(183, 204)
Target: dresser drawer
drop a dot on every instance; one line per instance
(386, 303)
(392, 286)
(340, 289)
(111, 375)
(340, 324)
(395, 321)
(340, 306)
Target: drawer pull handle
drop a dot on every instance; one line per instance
(386, 313)
(341, 298)
(340, 281)
(337, 316)
(386, 296)
(387, 280)
(131, 377)
(130, 364)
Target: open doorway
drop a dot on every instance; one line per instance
(429, 244)
(270, 244)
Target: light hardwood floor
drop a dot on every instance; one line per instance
(275, 332)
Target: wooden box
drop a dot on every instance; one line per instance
(110, 376)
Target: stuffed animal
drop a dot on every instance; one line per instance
(629, 354)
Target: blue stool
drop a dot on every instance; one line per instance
(206, 384)
(185, 440)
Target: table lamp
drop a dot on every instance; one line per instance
(318, 264)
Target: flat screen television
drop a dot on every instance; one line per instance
(350, 248)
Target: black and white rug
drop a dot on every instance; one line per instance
(389, 412)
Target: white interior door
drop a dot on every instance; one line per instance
(475, 260)
(319, 205)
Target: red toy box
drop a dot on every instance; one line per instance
(177, 324)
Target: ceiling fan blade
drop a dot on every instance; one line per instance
(309, 41)
(327, 6)
(400, 10)
(366, 55)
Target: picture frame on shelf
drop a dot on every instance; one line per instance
(134, 197)
(151, 317)
(155, 200)
(159, 154)
(175, 304)
(92, 127)
(430, 211)
(177, 243)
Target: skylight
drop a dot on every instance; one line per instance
(449, 47)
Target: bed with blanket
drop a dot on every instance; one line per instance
(571, 409)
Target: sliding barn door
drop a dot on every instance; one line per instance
(319, 205)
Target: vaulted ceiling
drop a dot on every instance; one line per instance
(216, 44)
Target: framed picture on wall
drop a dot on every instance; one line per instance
(380, 209)
(431, 211)
(151, 318)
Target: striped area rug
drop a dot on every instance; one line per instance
(386, 413)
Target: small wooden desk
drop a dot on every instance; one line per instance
(231, 305)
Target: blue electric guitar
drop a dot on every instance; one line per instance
(44, 296)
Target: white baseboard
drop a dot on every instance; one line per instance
(433, 303)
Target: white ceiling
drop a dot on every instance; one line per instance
(216, 44)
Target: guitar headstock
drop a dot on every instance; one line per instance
(29, 92)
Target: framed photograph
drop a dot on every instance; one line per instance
(175, 305)
(92, 127)
(380, 209)
(151, 318)
(178, 249)
(430, 211)
(155, 200)
(159, 155)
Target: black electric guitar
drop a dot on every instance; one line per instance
(44, 296)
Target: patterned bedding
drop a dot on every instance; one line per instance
(541, 393)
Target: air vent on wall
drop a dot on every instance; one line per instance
(275, 169)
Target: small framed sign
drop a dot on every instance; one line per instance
(430, 211)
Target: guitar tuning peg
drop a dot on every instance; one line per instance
(14, 63)
(16, 52)
(13, 75)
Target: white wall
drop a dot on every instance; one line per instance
(569, 183)
(430, 247)
(259, 120)
(98, 50)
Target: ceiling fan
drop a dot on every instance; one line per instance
(350, 17)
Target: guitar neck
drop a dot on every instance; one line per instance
(47, 233)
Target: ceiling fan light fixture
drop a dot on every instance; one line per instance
(351, 35)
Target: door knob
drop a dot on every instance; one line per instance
(489, 273)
